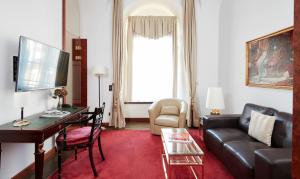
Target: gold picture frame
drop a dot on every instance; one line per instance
(269, 60)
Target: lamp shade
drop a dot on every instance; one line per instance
(99, 70)
(215, 99)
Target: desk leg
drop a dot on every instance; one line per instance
(0, 155)
(39, 160)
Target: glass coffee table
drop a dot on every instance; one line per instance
(180, 149)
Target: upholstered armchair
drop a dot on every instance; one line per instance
(167, 113)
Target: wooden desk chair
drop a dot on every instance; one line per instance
(82, 137)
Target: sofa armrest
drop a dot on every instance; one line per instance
(273, 163)
(221, 121)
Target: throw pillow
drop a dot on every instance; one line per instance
(169, 110)
(261, 127)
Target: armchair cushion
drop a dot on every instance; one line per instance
(77, 136)
(169, 110)
(167, 120)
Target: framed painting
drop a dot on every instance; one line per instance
(269, 60)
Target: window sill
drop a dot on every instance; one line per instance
(131, 102)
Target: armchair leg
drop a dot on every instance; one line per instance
(100, 148)
(92, 160)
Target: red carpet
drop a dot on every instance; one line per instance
(134, 154)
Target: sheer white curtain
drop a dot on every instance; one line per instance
(151, 27)
(152, 63)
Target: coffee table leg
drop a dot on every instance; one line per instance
(39, 160)
(164, 166)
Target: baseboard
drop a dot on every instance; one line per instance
(105, 124)
(30, 169)
(137, 119)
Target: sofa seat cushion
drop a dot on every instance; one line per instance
(167, 120)
(215, 138)
(239, 156)
(228, 134)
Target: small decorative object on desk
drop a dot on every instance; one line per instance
(20, 123)
(60, 93)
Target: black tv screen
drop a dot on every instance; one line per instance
(40, 66)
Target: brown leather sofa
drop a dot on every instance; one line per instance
(227, 137)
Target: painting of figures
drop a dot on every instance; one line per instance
(270, 60)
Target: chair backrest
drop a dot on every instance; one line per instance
(97, 118)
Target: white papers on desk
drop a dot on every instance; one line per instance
(55, 114)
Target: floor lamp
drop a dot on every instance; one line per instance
(99, 71)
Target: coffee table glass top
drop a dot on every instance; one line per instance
(177, 141)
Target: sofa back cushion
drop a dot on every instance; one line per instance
(246, 115)
(282, 132)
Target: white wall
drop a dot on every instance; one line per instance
(72, 31)
(136, 110)
(96, 26)
(40, 20)
(241, 21)
(207, 21)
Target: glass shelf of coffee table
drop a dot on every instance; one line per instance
(180, 149)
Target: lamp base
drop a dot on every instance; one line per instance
(215, 112)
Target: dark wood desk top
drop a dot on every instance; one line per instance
(40, 128)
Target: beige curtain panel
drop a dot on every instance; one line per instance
(190, 58)
(152, 27)
(118, 119)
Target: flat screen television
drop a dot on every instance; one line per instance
(40, 66)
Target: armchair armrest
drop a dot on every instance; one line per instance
(182, 114)
(273, 163)
(221, 121)
(154, 110)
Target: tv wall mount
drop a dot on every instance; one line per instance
(15, 67)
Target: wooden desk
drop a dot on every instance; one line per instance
(37, 132)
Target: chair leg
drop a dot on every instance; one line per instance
(92, 160)
(100, 148)
(59, 160)
(75, 154)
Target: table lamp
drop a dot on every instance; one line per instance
(215, 100)
(99, 71)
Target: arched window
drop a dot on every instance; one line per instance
(152, 73)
